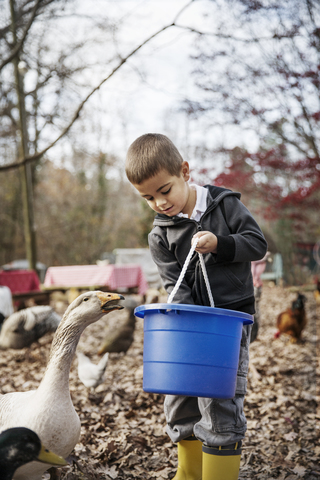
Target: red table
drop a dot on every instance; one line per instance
(114, 277)
(20, 281)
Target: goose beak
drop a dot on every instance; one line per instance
(109, 301)
(46, 456)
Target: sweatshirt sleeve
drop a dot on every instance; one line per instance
(246, 242)
(168, 267)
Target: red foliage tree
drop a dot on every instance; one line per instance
(264, 77)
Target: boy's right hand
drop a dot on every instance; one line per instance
(207, 242)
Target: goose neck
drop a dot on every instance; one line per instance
(62, 351)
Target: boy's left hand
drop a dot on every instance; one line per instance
(207, 242)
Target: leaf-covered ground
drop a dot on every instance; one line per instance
(123, 428)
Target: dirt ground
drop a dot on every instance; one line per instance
(123, 428)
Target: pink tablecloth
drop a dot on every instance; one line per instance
(114, 277)
(20, 281)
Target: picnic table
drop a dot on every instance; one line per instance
(24, 285)
(112, 277)
(20, 281)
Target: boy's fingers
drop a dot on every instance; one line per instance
(197, 236)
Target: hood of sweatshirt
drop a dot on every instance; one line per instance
(215, 196)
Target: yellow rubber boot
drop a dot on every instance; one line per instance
(189, 460)
(221, 463)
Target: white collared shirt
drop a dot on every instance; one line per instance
(201, 203)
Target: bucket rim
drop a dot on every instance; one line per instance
(140, 311)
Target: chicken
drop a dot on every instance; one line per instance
(119, 338)
(91, 375)
(293, 320)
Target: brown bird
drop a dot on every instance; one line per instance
(293, 320)
(316, 293)
(119, 339)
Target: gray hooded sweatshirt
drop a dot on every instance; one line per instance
(240, 241)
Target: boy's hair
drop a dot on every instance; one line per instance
(149, 154)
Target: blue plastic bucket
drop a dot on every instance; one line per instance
(190, 349)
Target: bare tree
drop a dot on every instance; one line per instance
(263, 78)
(264, 75)
(52, 88)
(65, 73)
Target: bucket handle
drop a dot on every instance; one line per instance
(183, 272)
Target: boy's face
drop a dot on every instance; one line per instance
(168, 194)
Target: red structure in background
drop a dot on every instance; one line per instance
(20, 281)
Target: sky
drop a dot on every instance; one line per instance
(146, 93)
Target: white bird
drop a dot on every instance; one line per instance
(24, 327)
(49, 410)
(91, 375)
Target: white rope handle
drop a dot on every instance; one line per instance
(183, 272)
(206, 279)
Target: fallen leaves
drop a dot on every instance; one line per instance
(283, 423)
(290, 436)
(123, 428)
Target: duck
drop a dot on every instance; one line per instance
(119, 338)
(21, 445)
(24, 327)
(90, 374)
(49, 410)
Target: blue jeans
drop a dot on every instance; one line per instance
(213, 421)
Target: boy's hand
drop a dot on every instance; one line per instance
(207, 242)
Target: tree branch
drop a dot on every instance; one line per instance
(236, 39)
(19, 45)
(36, 156)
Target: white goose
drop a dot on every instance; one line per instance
(49, 410)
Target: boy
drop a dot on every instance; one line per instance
(208, 430)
